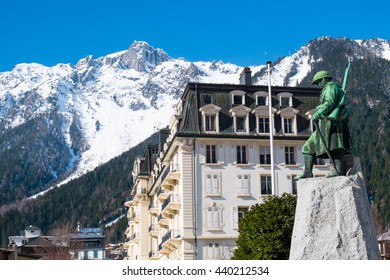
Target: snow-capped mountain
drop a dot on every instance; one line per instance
(114, 101)
(106, 105)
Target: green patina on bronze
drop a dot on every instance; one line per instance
(335, 131)
(332, 138)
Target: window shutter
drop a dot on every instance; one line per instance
(221, 154)
(279, 154)
(240, 185)
(202, 153)
(209, 184)
(252, 155)
(215, 184)
(233, 153)
(209, 217)
(216, 221)
(210, 251)
(217, 251)
(246, 185)
(235, 217)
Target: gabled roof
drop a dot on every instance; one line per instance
(38, 241)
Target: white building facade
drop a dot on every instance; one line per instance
(192, 188)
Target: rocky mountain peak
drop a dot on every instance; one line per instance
(142, 57)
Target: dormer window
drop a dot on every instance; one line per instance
(207, 98)
(210, 123)
(238, 97)
(210, 118)
(285, 99)
(261, 98)
(240, 116)
(289, 120)
(262, 119)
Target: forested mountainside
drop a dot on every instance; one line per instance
(97, 197)
(94, 200)
(368, 98)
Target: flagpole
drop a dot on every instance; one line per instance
(271, 129)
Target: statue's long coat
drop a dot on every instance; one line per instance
(336, 132)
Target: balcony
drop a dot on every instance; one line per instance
(153, 231)
(153, 255)
(170, 176)
(135, 197)
(134, 238)
(163, 221)
(162, 250)
(133, 218)
(129, 201)
(171, 205)
(170, 241)
(162, 194)
(153, 209)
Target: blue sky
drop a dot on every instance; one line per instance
(245, 33)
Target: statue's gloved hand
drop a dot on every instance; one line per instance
(316, 116)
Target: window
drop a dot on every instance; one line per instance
(294, 189)
(211, 154)
(266, 185)
(213, 251)
(210, 123)
(237, 99)
(288, 125)
(241, 155)
(285, 101)
(214, 216)
(95, 254)
(238, 212)
(213, 186)
(240, 124)
(289, 155)
(243, 185)
(265, 155)
(261, 100)
(242, 211)
(210, 117)
(207, 98)
(263, 125)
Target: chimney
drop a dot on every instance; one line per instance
(246, 77)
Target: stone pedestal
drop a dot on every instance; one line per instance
(333, 220)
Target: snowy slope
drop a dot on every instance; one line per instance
(120, 99)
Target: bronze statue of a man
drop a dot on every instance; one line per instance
(331, 139)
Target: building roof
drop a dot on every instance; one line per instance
(38, 241)
(384, 236)
(303, 99)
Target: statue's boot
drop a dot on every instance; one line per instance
(338, 158)
(308, 171)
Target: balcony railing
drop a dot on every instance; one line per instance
(169, 241)
(171, 205)
(162, 221)
(153, 230)
(153, 209)
(129, 200)
(153, 255)
(170, 176)
(162, 194)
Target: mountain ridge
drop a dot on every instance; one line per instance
(78, 109)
